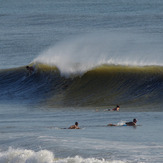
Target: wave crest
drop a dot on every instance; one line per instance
(82, 53)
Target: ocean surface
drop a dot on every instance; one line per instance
(88, 56)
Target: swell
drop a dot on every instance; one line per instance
(110, 85)
(105, 85)
(18, 84)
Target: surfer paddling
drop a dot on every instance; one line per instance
(74, 126)
(133, 123)
(115, 109)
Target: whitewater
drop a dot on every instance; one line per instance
(88, 57)
(84, 52)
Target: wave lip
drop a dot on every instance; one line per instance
(82, 53)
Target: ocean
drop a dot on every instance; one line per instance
(88, 56)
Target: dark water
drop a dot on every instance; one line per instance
(102, 86)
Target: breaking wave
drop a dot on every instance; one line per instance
(43, 156)
(79, 54)
(92, 70)
(105, 85)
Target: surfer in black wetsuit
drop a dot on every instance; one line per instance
(30, 69)
(133, 123)
(74, 126)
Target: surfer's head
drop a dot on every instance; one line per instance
(76, 123)
(134, 120)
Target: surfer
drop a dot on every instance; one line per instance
(74, 126)
(133, 123)
(115, 109)
(30, 69)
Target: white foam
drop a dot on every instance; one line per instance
(81, 53)
(26, 156)
(78, 159)
(43, 156)
(121, 123)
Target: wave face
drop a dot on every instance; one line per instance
(105, 85)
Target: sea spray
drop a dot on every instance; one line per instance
(81, 53)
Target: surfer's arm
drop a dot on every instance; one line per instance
(72, 127)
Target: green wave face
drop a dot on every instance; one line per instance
(106, 85)
(110, 85)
